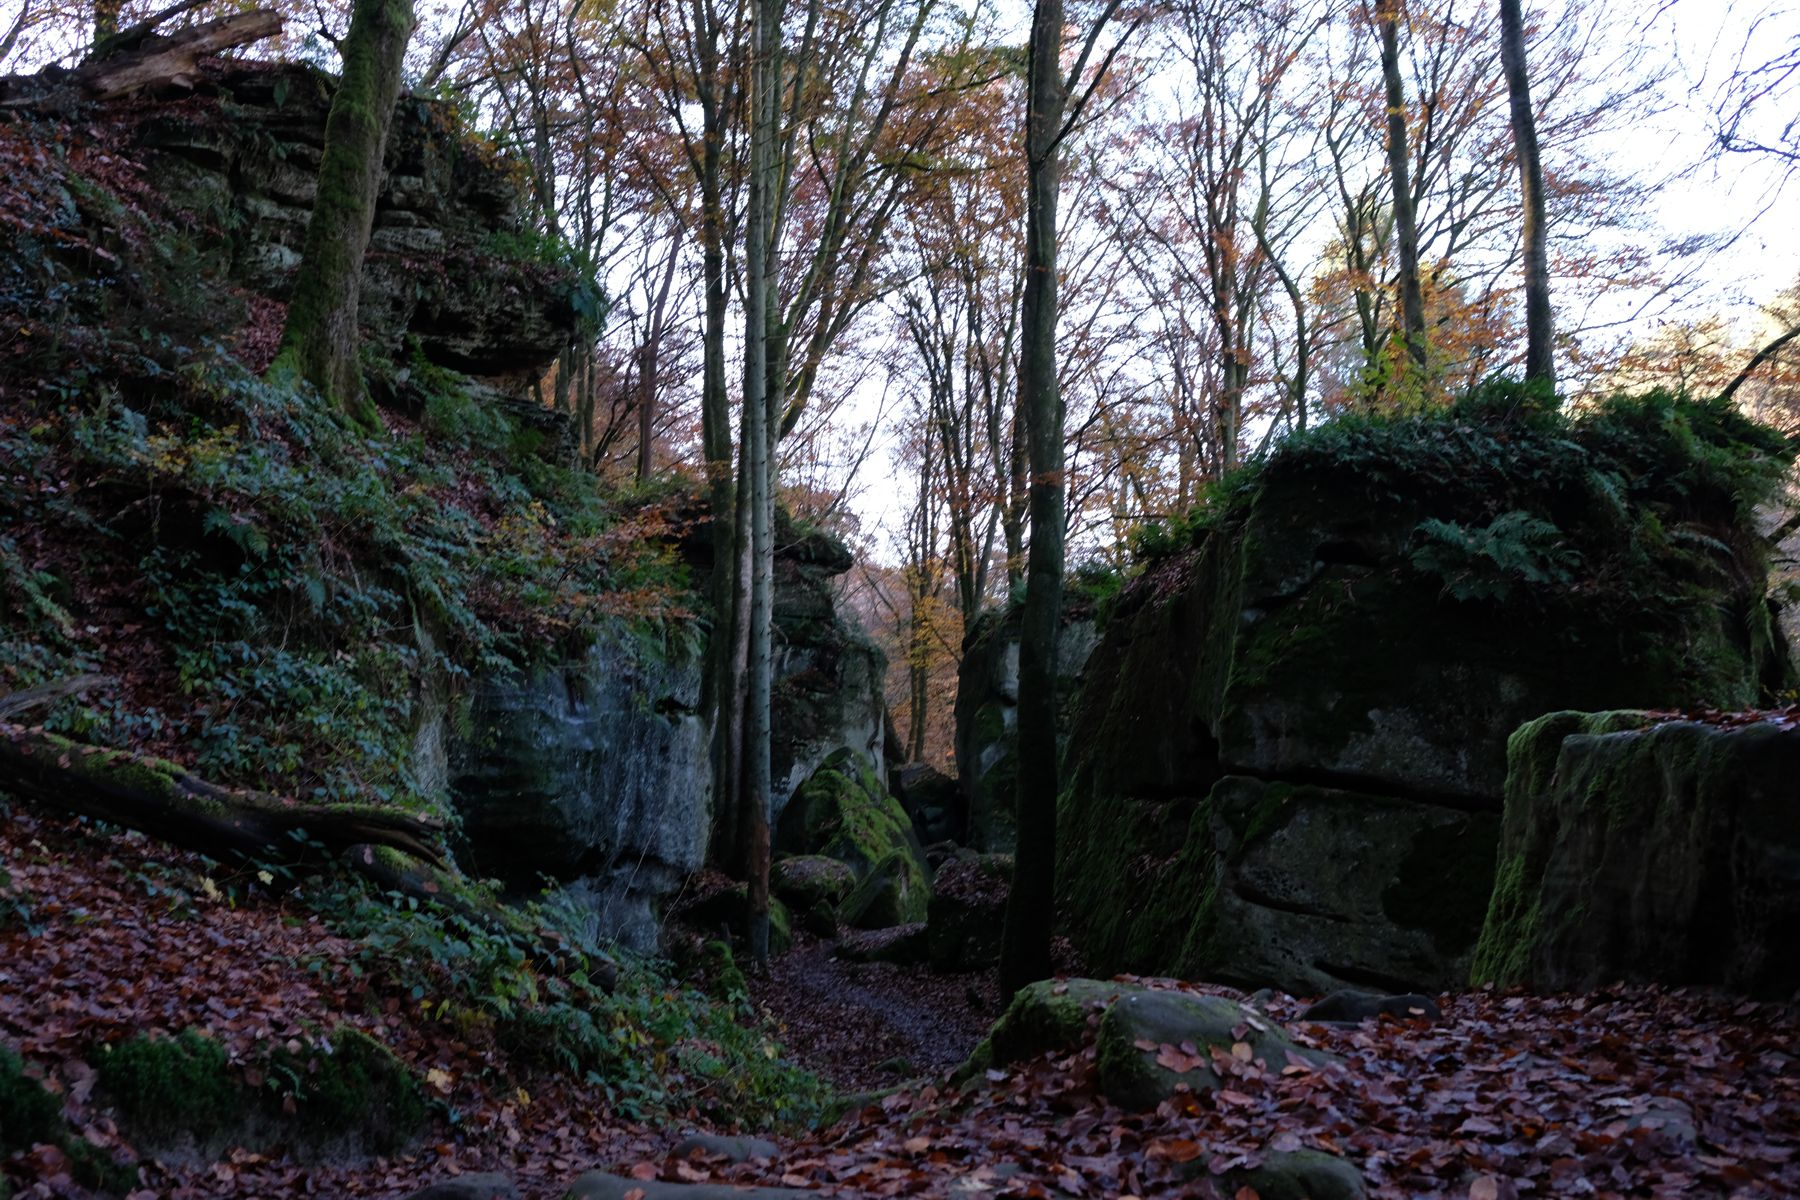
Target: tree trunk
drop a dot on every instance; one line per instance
(166, 801)
(1406, 231)
(754, 448)
(1030, 909)
(321, 343)
(1540, 351)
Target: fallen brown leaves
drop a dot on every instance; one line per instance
(1629, 1092)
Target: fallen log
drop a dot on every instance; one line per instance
(163, 60)
(397, 851)
(140, 59)
(165, 800)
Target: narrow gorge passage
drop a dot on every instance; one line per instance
(868, 1026)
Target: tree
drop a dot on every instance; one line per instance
(756, 445)
(1406, 231)
(1540, 353)
(1031, 906)
(321, 342)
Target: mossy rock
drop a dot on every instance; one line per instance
(1183, 1029)
(729, 909)
(1263, 647)
(350, 1086)
(844, 812)
(1048, 1016)
(1656, 852)
(169, 1087)
(894, 892)
(804, 880)
(28, 1113)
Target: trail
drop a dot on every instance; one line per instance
(866, 1026)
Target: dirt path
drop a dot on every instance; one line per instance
(865, 1026)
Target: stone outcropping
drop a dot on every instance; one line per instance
(594, 775)
(1649, 851)
(1289, 756)
(452, 260)
(987, 716)
(591, 774)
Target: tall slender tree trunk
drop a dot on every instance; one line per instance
(322, 340)
(1540, 351)
(1406, 229)
(1031, 908)
(755, 449)
(721, 689)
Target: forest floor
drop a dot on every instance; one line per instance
(1627, 1092)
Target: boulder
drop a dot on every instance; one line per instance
(481, 1185)
(732, 1149)
(598, 1185)
(1150, 1042)
(844, 812)
(1659, 851)
(932, 800)
(1153, 1044)
(1300, 1175)
(901, 944)
(1352, 1007)
(1288, 756)
(804, 880)
(967, 911)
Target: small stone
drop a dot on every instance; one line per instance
(598, 1185)
(485, 1185)
(1352, 1007)
(1301, 1175)
(732, 1149)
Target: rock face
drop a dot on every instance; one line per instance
(1288, 760)
(987, 716)
(1665, 852)
(594, 773)
(829, 691)
(452, 261)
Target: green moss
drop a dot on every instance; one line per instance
(350, 1085)
(167, 1087)
(1050, 1015)
(28, 1113)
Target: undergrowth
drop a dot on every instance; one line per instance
(1523, 499)
(653, 1046)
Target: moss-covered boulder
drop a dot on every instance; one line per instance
(1300, 1175)
(343, 1089)
(844, 812)
(1648, 850)
(1154, 1043)
(968, 911)
(804, 880)
(1150, 1043)
(1289, 751)
(1050, 1015)
(349, 1085)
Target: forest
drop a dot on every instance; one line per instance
(661, 600)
